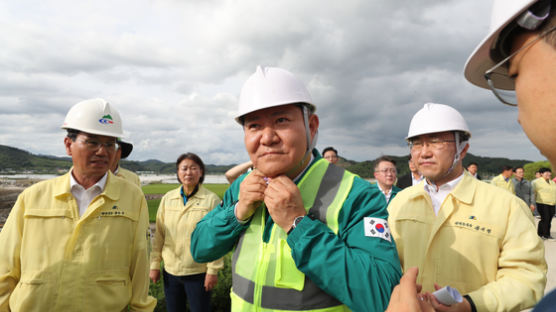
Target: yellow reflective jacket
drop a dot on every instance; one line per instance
(129, 176)
(545, 191)
(53, 260)
(174, 225)
(483, 242)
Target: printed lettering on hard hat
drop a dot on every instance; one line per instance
(376, 227)
(106, 119)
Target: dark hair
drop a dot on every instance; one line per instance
(472, 163)
(515, 169)
(196, 159)
(384, 158)
(72, 134)
(463, 136)
(544, 169)
(330, 148)
(506, 168)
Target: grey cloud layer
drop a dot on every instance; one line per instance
(174, 69)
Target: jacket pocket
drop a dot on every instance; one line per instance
(110, 292)
(30, 294)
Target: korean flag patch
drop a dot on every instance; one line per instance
(376, 227)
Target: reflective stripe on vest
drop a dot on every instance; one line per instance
(333, 185)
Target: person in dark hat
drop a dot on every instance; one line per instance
(122, 153)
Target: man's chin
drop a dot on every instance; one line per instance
(272, 171)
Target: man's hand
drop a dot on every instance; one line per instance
(532, 208)
(154, 275)
(463, 306)
(406, 297)
(284, 202)
(210, 281)
(251, 194)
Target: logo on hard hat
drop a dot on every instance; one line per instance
(106, 119)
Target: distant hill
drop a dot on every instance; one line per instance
(14, 160)
(488, 166)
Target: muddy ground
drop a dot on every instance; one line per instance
(9, 190)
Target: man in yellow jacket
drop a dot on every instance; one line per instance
(545, 197)
(462, 232)
(78, 242)
(504, 179)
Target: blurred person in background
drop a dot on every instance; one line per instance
(180, 209)
(504, 179)
(412, 178)
(385, 175)
(545, 197)
(473, 169)
(330, 154)
(122, 153)
(524, 189)
(233, 173)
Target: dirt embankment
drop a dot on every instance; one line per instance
(9, 190)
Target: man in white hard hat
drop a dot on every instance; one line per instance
(122, 153)
(306, 234)
(462, 232)
(78, 242)
(517, 61)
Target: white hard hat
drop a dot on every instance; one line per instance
(269, 87)
(433, 118)
(504, 12)
(95, 116)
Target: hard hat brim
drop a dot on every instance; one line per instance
(480, 59)
(126, 148)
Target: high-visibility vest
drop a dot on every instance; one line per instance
(264, 274)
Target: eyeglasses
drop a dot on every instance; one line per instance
(495, 80)
(94, 145)
(434, 143)
(389, 170)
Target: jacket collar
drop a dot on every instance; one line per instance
(463, 192)
(201, 193)
(111, 188)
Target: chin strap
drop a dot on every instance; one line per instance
(457, 157)
(310, 143)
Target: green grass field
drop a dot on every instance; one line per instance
(160, 188)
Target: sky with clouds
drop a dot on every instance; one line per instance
(174, 70)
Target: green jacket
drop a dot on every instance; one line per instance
(359, 270)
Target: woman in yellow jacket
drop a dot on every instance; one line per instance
(545, 196)
(179, 211)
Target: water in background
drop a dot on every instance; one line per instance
(145, 178)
